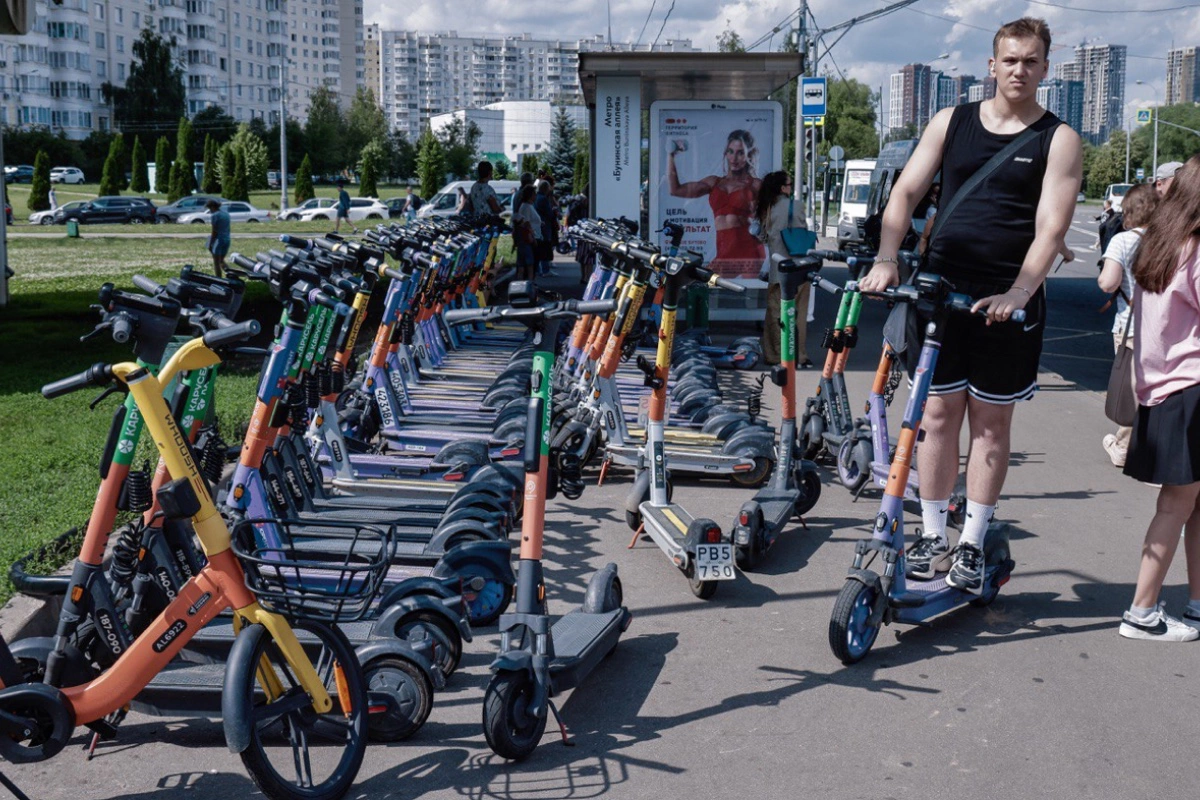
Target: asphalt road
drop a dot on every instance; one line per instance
(1035, 695)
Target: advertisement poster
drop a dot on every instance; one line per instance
(617, 126)
(707, 161)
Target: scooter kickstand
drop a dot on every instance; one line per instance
(562, 729)
(12, 787)
(641, 529)
(603, 471)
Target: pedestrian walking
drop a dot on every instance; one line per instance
(343, 208)
(1116, 278)
(1165, 445)
(219, 238)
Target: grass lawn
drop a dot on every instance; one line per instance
(50, 450)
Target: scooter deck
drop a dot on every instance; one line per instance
(401, 490)
(581, 641)
(926, 599)
(668, 518)
(777, 507)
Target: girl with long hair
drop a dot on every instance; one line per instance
(1165, 445)
(774, 207)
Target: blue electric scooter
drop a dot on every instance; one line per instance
(871, 598)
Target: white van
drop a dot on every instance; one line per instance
(445, 202)
(1116, 193)
(852, 210)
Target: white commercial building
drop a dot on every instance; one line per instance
(230, 51)
(513, 128)
(422, 75)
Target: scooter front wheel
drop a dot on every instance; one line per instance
(295, 752)
(511, 730)
(812, 435)
(854, 463)
(851, 633)
(808, 480)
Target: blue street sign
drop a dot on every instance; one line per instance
(1141, 174)
(812, 97)
(1143, 116)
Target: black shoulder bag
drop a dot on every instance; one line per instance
(902, 325)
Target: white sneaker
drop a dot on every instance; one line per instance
(1191, 618)
(1115, 454)
(1160, 626)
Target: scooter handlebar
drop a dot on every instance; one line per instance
(232, 334)
(721, 283)
(148, 286)
(122, 327)
(96, 375)
(593, 306)
(296, 241)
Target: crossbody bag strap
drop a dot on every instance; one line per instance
(980, 175)
(791, 207)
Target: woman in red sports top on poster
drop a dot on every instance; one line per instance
(732, 197)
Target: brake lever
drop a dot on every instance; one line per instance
(257, 352)
(96, 331)
(113, 389)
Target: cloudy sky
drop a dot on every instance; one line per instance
(869, 52)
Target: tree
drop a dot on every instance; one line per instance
(324, 132)
(111, 179)
(560, 152)
(240, 189)
(214, 121)
(365, 123)
(255, 153)
(162, 166)
(373, 156)
(431, 164)
(39, 189)
(460, 143)
(1173, 144)
(403, 156)
(228, 162)
(850, 118)
(304, 185)
(502, 169)
(183, 177)
(729, 41)
(211, 183)
(139, 182)
(153, 96)
(1107, 165)
(531, 164)
(295, 144)
(907, 131)
(581, 176)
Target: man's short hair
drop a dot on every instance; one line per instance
(213, 204)
(484, 169)
(1024, 28)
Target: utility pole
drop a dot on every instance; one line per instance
(283, 158)
(802, 48)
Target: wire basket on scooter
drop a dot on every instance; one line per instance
(331, 572)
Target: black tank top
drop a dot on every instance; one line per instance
(989, 234)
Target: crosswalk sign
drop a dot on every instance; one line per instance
(1143, 116)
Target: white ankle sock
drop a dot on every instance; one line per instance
(975, 524)
(1141, 614)
(933, 514)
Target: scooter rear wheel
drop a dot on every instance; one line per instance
(446, 640)
(409, 689)
(488, 600)
(850, 633)
(756, 476)
(511, 731)
(702, 589)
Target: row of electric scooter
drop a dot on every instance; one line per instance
(373, 495)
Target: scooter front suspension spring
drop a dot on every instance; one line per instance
(139, 496)
(125, 555)
(312, 384)
(754, 398)
(296, 400)
(213, 450)
(570, 475)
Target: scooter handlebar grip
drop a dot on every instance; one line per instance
(242, 262)
(95, 375)
(122, 328)
(596, 306)
(458, 315)
(393, 274)
(296, 241)
(830, 255)
(148, 286)
(237, 332)
(727, 285)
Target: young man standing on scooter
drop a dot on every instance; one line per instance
(999, 257)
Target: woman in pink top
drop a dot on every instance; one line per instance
(1165, 446)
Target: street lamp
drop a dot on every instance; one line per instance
(1157, 96)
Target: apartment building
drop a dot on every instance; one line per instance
(1101, 70)
(1183, 75)
(422, 75)
(1064, 99)
(911, 97)
(231, 53)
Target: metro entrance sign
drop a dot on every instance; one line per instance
(812, 97)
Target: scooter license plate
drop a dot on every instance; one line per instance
(714, 562)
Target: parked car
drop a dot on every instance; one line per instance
(48, 217)
(18, 173)
(293, 214)
(1116, 193)
(186, 205)
(445, 202)
(360, 208)
(66, 175)
(238, 212)
(136, 210)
